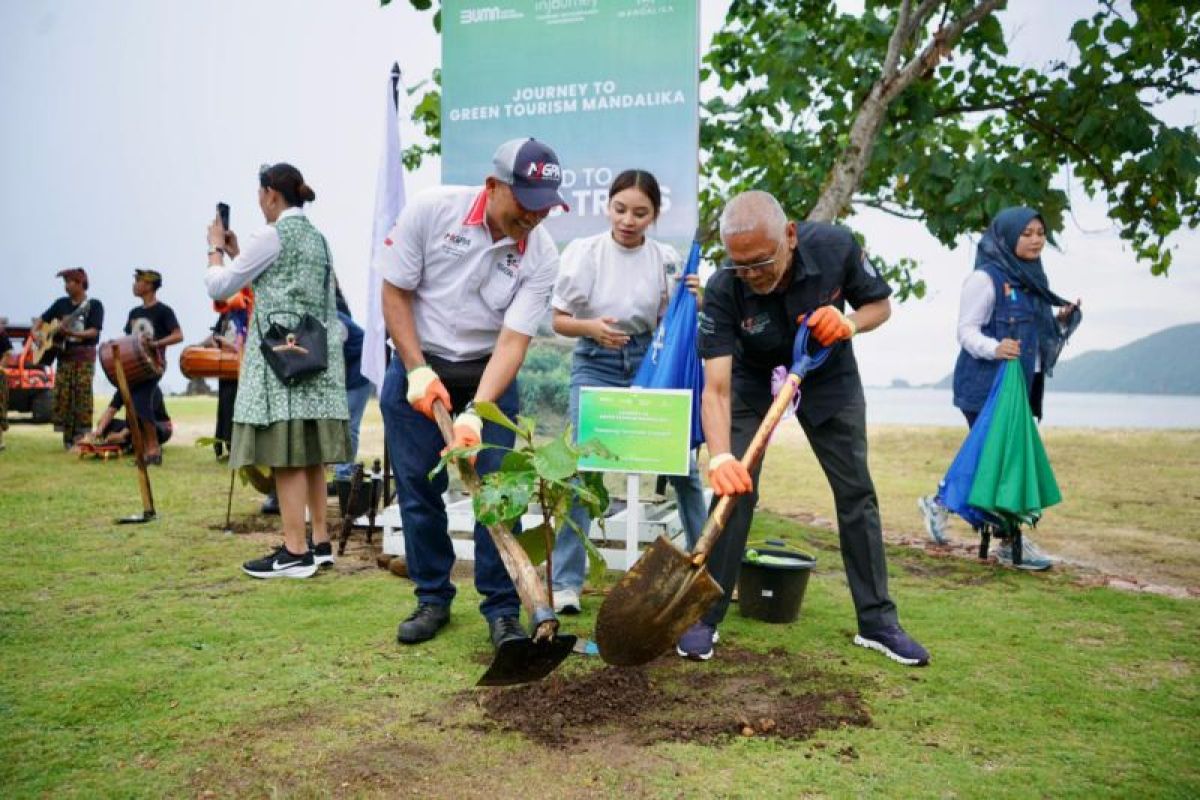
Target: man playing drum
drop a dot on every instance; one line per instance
(156, 323)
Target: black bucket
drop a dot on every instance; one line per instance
(771, 586)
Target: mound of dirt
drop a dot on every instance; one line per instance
(743, 693)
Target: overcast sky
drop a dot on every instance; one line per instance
(126, 120)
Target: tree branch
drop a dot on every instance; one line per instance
(943, 42)
(881, 205)
(1051, 131)
(900, 35)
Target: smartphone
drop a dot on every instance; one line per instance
(223, 213)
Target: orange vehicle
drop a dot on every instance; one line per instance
(30, 385)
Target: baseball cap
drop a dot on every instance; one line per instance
(531, 168)
(150, 276)
(74, 274)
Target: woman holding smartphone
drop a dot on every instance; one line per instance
(611, 292)
(295, 430)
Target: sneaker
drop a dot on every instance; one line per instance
(897, 645)
(506, 629)
(281, 564)
(270, 505)
(697, 642)
(566, 601)
(322, 553)
(1032, 557)
(934, 515)
(423, 623)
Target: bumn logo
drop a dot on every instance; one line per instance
(469, 16)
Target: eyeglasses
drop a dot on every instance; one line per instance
(754, 266)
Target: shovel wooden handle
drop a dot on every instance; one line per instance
(754, 453)
(516, 560)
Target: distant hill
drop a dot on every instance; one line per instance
(1166, 362)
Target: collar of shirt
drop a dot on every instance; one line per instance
(476, 216)
(291, 211)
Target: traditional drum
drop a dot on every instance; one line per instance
(139, 360)
(210, 362)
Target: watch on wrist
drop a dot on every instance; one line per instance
(214, 249)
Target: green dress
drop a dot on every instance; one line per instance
(275, 425)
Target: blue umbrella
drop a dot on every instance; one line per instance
(673, 361)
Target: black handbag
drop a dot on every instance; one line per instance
(300, 351)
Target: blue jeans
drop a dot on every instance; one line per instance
(357, 400)
(414, 444)
(593, 365)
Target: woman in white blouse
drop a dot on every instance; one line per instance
(611, 291)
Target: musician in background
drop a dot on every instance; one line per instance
(78, 319)
(229, 334)
(156, 322)
(110, 430)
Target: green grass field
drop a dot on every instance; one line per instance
(139, 662)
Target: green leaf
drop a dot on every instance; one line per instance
(491, 412)
(503, 497)
(533, 542)
(555, 460)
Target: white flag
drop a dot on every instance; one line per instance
(389, 201)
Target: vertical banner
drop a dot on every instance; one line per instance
(609, 84)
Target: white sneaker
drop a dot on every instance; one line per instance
(934, 516)
(566, 601)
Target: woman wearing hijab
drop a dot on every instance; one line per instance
(1006, 312)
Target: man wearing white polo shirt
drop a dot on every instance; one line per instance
(467, 279)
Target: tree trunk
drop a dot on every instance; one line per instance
(847, 172)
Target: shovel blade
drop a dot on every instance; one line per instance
(137, 519)
(658, 599)
(525, 661)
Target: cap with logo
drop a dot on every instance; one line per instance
(531, 168)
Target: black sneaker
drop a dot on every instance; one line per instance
(270, 505)
(506, 629)
(281, 564)
(423, 623)
(322, 553)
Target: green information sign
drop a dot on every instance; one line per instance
(648, 430)
(609, 84)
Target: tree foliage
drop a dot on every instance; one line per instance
(915, 107)
(973, 132)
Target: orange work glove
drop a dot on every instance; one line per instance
(727, 476)
(829, 325)
(424, 386)
(468, 428)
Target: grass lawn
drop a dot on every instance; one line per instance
(139, 662)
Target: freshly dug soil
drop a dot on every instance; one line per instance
(739, 693)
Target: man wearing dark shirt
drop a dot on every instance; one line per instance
(155, 321)
(779, 275)
(82, 319)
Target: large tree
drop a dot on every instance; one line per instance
(914, 107)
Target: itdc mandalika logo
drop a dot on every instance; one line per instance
(471, 16)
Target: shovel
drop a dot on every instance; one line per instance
(668, 590)
(522, 660)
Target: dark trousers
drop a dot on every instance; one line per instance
(840, 445)
(415, 444)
